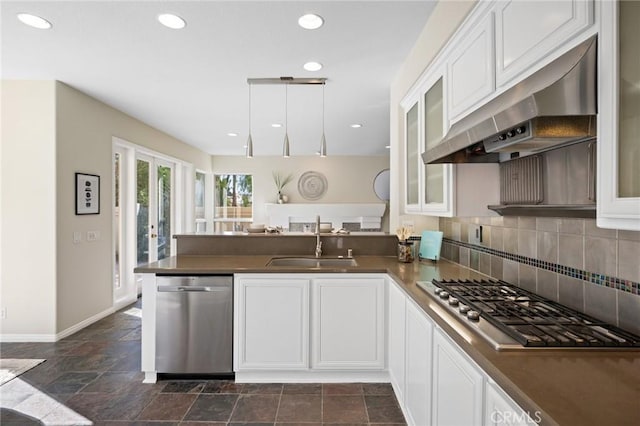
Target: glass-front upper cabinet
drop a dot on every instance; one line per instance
(412, 165)
(619, 113)
(433, 132)
(428, 187)
(629, 102)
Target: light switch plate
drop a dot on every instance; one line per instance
(93, 235)
(77, 237)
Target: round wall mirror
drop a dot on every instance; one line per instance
(381, 185)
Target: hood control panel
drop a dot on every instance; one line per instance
(508, 137)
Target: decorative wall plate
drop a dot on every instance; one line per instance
(312, 185)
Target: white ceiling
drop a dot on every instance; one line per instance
(192, 83)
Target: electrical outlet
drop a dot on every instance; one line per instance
(475, 234)
(77, 237)
(407, 223)
(3, 313)
(93, 235)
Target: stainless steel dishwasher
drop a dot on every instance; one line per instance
(194, 324)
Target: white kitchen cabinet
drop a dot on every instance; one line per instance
(471, 68)
(528, 31)
(458, 385)
(437, 179)
(441, 189)
(500, 410)
(348, 326)
(272, 323)
(396, 338)
(428, 188)
(419, 337)
(618, 179)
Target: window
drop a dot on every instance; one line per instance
(200, 188)
(233, 202)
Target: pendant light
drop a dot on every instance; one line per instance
(285, 147)
(249, 152)
(323, 140)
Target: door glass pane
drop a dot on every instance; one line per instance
(434, 191)
(201, 223)
(433, 132)
(164, 212)
(629, 112)
(142, 212)
(433, 115)
(116, 219)
(413, 144)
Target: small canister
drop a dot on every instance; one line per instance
(405, 251)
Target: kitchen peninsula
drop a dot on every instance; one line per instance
(550, 386)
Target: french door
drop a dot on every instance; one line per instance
(155, 181)
(144, 214)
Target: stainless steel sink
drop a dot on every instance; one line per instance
(312, 262)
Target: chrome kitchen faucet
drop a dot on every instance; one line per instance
(318, 242)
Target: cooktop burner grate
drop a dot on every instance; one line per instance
(533, 320)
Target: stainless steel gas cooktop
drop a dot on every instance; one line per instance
(511, 318)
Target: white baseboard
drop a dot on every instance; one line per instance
(6, 338)
(283, 376)
(55, 337)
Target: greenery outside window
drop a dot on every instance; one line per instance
(233, 202)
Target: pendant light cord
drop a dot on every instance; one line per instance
(323, 84)
(286, 108)
(249, 108)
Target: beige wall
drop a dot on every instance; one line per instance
(442, 23)
(85, 128)
(349, 178)
(57, 131)
(28, 207)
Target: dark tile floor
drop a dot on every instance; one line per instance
(96, 372)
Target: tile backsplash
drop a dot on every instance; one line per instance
(593, 270)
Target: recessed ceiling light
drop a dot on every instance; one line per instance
(310, 21)
(34, 21)
(232, 134)
(171, 21)
(356, 126)
(276, 125)
(312, 66)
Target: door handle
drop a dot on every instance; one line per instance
(154, 235)
(174, 289)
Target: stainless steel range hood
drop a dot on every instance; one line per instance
(554, 106)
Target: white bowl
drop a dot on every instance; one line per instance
(255, 230)
(256, 226)
(325, 227)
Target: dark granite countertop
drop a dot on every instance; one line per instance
(567, 387)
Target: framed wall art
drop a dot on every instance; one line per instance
(87, 194)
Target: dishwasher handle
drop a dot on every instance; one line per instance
(187, 289)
